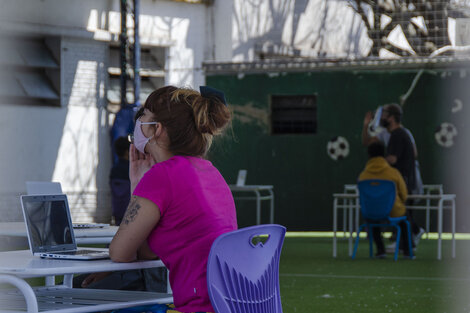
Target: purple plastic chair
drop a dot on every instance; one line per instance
(243, 270)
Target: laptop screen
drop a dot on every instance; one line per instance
(48, 223)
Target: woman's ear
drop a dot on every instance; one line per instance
(158, 129)
(161, 136)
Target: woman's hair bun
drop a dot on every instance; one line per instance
(210, 115)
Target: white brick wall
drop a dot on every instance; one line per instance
(82, 164)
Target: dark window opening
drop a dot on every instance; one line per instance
(294, 114)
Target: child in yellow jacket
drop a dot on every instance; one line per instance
(377, 167)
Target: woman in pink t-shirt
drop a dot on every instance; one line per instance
(180, 202)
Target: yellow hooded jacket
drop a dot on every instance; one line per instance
(378, 168)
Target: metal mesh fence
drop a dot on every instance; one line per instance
(414, 28)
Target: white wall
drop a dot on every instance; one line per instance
(70, 143)
(220, 23)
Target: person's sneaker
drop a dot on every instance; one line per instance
(417, 237)
(407, 256)
(380, 256)
(391, 247)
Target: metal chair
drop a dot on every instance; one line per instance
(243, 270)
(376, 197)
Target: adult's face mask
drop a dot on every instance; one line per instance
(384, 122)
(140, 141)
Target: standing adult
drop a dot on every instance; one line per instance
(401, 152)
(400, 149)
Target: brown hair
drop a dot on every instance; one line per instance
(394, 110)
(190, 119)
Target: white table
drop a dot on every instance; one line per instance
(344, 201)
(428, 189)
(349, 203)
(82, 235)
(441, 199)
(348, 227)
(262, 192)
(17, 265)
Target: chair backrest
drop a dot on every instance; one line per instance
(376, 197)
(243, 270)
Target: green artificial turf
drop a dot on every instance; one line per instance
(312, 280)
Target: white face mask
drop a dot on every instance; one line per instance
(140, 141)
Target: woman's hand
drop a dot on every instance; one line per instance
(139, 164)
(93, 278)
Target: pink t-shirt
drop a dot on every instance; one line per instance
(196, 206)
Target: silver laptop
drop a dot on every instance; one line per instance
(50, 231)
(43, 188)
(53, 188)
(241, 178)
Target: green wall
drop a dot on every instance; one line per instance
(303, 175)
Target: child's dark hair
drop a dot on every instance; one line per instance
(121, 145)
(376, 149)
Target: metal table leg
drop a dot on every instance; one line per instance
(350, 209)
(271, 218)
(335, 224)
(50, 280)
(439, 229)
(258, 207)
(453, 228)
(428, 204)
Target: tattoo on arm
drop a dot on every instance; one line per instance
(131, 212)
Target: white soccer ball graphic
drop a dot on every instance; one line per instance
(445, 134)
(337, 148)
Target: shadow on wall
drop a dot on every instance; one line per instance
(311, 28)
(84, 157)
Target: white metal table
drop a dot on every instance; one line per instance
(440, 207)
(82, 235)
(17, 265)
(344, 201)
(348, 227)
(268, 194)
(428, 190)
(349, 203)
